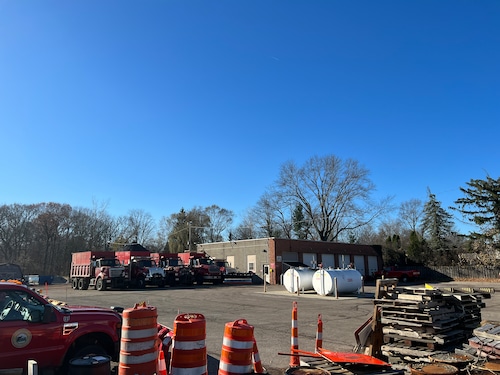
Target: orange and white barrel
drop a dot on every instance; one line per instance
(237, 349)
(189, 351)
(139, 341)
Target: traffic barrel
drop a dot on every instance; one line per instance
(237, 349)
(139, 341)
(189, 351)
(319, 334)
(294, 347)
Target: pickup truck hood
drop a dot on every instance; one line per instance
(84, 310)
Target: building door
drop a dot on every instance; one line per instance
(359, 264)
(372, 264)
(310, 259)
(328, 260)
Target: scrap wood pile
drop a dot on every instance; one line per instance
(418, 324)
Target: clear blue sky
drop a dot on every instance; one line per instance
(163, 105)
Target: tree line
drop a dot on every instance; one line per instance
(325, 199)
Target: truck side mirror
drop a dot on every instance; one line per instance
(48, 314)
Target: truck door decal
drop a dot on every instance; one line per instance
(21, 338)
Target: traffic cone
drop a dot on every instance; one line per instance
(257, 363)
(162, 365)
(294, 358)
(319, 334)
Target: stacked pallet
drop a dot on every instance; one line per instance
(486, 341)
(420, 323)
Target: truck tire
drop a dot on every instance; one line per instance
(86, 283)
(100, 284)
(81, 284)
(199, 279)
(74, 283)
(141, 283)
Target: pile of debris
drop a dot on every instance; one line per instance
(419, 324)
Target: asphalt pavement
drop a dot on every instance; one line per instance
(268, 310)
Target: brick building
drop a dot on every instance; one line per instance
(271, 257)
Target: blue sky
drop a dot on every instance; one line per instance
(163, 105)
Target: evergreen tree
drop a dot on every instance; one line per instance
(481, 206)
(300, 227)
(437, 227)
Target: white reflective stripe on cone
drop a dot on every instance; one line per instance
(137, 346)
(237, 344)
(189, 345)
(139, 333)
(235, 368)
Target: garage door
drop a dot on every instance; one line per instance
(359, 264)
(310, 259)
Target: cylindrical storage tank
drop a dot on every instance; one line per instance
(237, 349)
(348, 281)
(139, 342)
(90, 365)
(189, 351)
(296, 279)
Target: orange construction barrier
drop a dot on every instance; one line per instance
(319, 334)
(189, 352)
(237, 349)
(139, 341)
(257, 363)
(294, 347)
(162, 365)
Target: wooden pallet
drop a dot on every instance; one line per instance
(334, 368)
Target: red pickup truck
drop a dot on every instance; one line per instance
(393, 272)
(31, 327)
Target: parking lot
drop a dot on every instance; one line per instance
(268, 311)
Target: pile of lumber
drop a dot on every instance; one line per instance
(418, 323)
(486, 340)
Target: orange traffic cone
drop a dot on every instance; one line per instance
(257, 363)
(162, 365)
(294, 358)
(319, 334)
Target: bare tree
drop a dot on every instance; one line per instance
(219, 220)
(138, 226)
(334, 194)
(16, 233)
(410, 213)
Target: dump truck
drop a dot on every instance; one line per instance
(203, 267)
(98, 269)
(176, 272)
(141, 269)
(231, 274)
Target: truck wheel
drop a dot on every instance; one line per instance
(74, 283)
(141, 284)
(100, 284)
(199, 279)
(85, 284)
(90, 349)
(80, 284)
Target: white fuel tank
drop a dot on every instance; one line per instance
(300, 278)
(348, 281)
